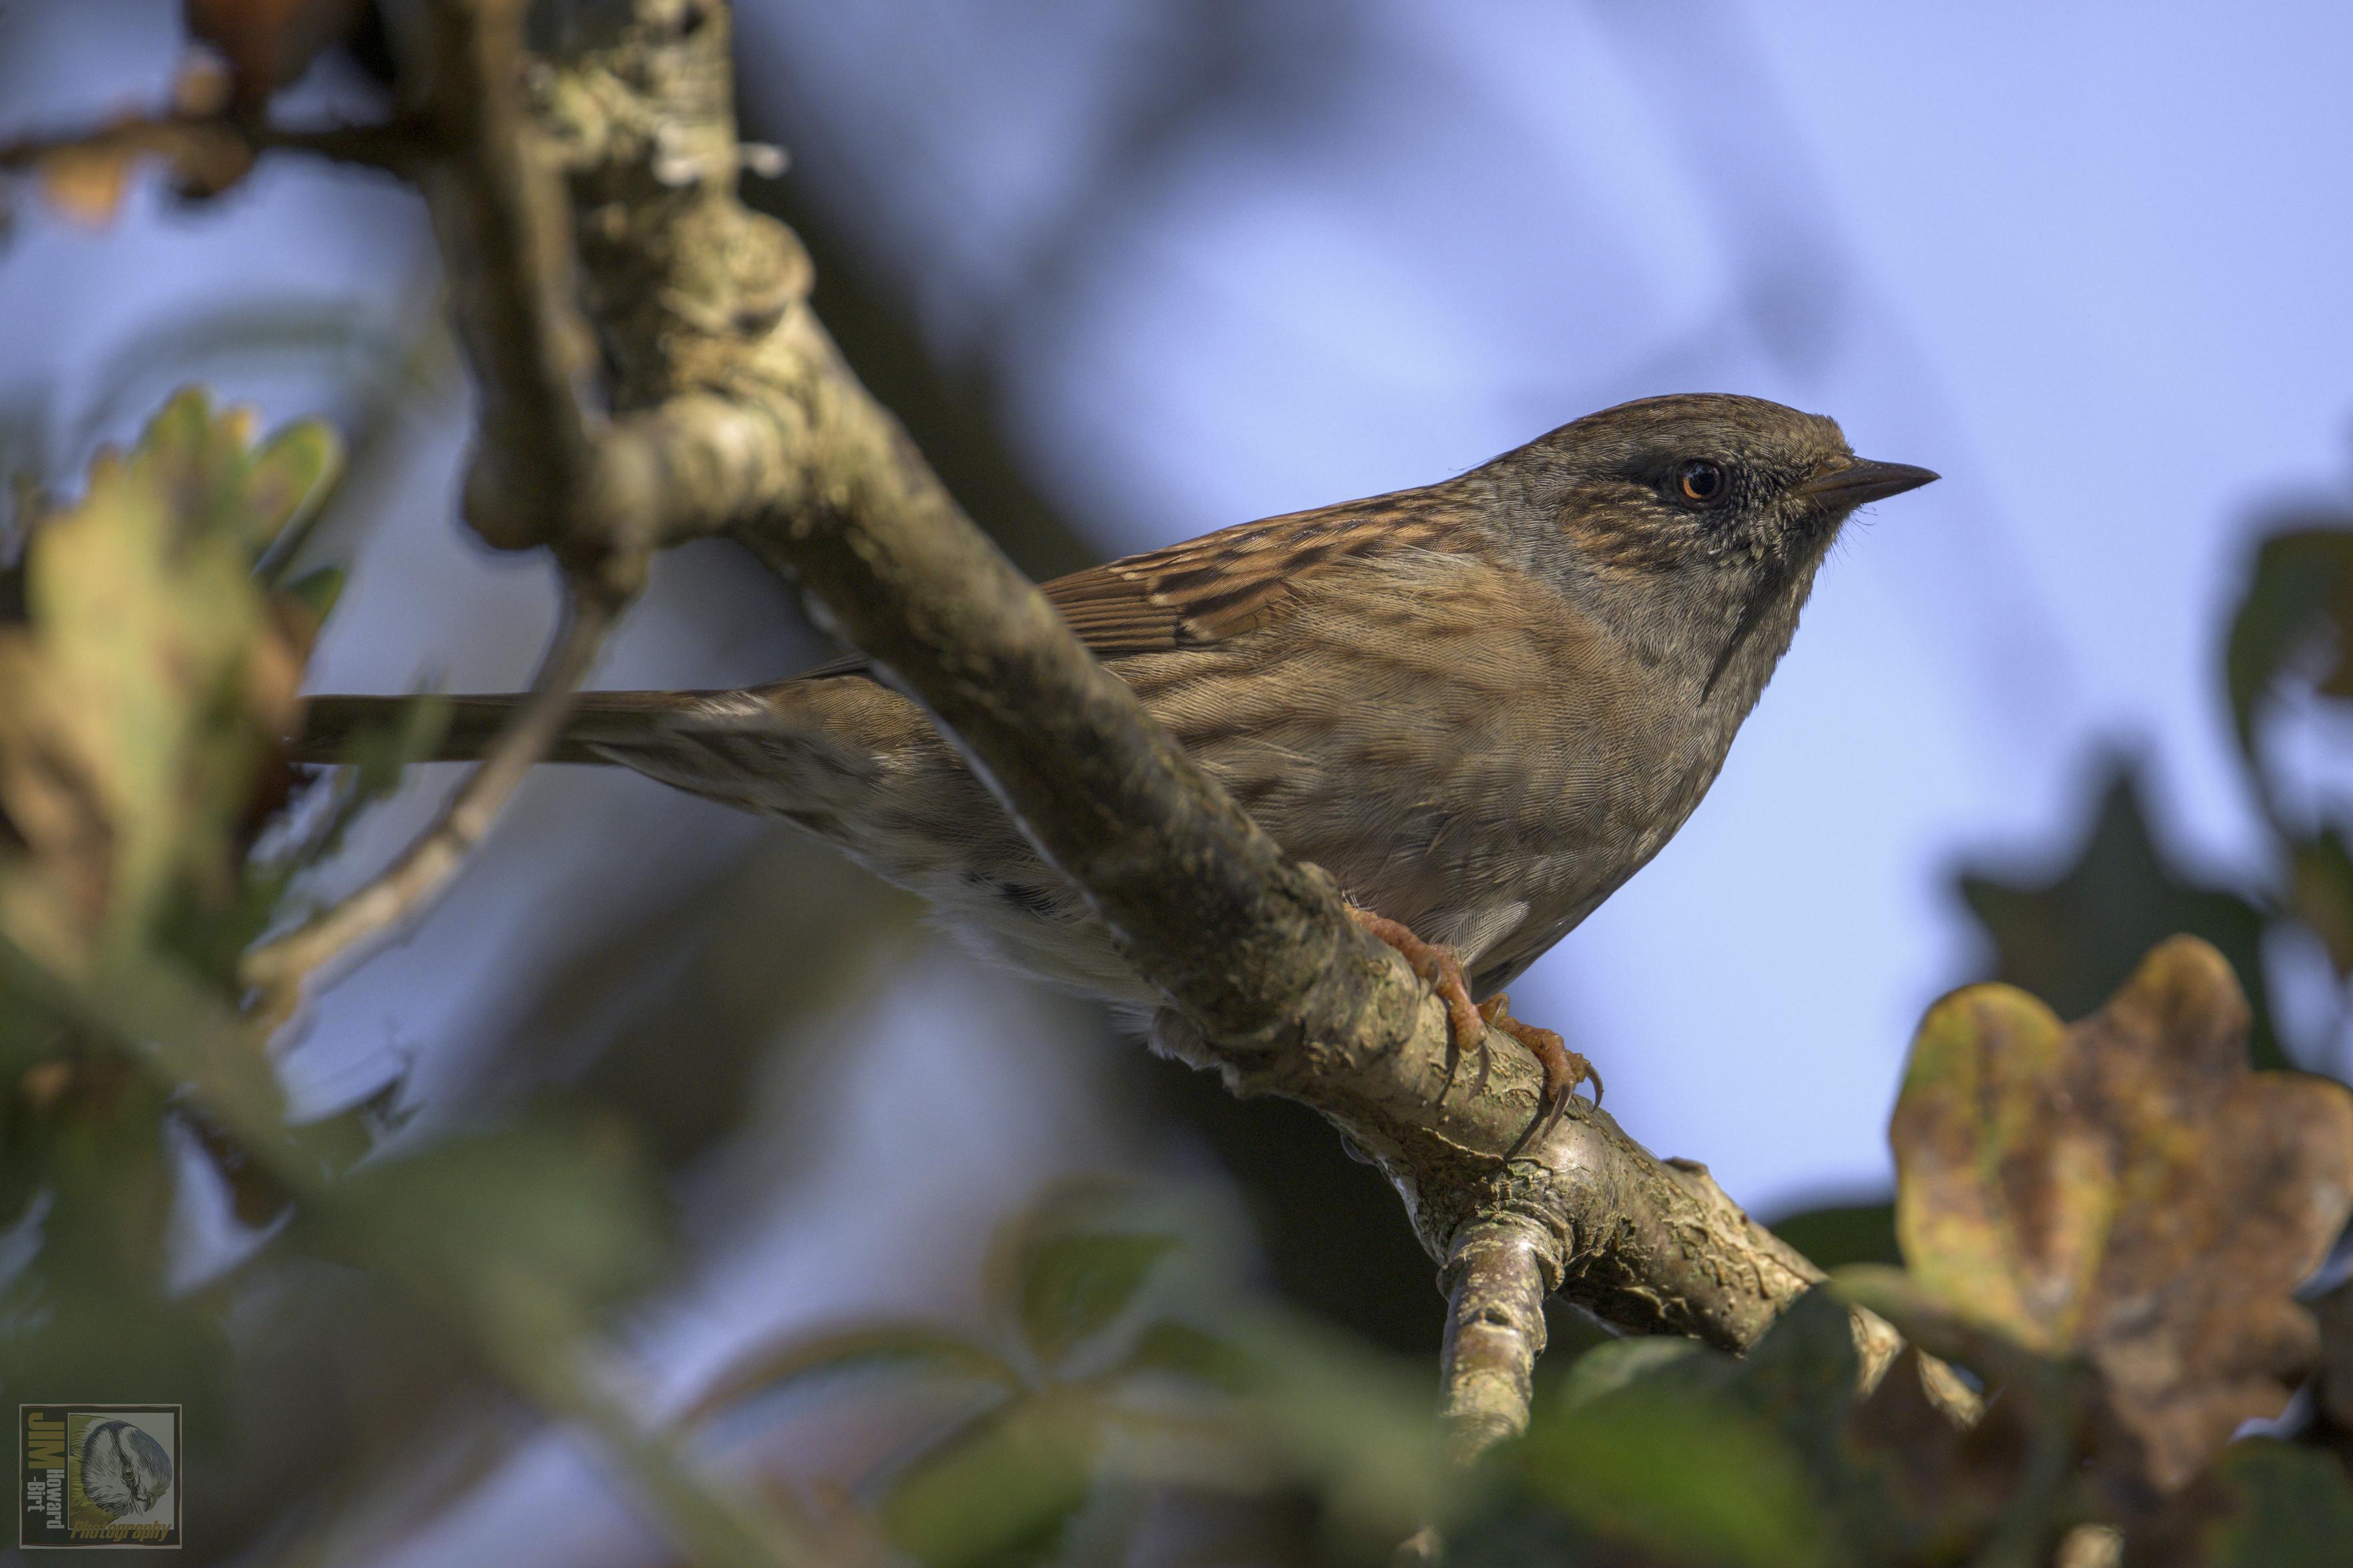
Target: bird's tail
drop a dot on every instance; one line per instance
(599, 722)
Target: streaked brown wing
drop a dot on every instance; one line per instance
(1210, 588)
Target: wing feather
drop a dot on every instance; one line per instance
(1221, 584)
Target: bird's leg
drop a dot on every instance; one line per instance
(1468, 1022)
(1564, 1070)
(1466, 1030)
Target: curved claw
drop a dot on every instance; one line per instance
(1467, 1023)
(1564, 1070)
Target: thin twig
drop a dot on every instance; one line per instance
(278, 969)
(505, 230)
(394, 147)
(212, 151)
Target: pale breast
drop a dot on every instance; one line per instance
(1454, 742)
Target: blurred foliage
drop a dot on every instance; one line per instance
(150, 830)
(2070, 937)
(2126, 1192)
(1835, 1234)
(1124, 1365)
(2072, 934)
(2105, 1222)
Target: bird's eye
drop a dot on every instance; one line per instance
(1700, 481)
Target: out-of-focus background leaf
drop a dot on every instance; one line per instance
(2073, 939)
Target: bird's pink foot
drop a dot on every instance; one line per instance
(1468, 1022)
(1466, 1030)
(1564, 1070)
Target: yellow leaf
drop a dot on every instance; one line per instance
(148, 683)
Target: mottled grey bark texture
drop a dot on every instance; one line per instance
(732, 412)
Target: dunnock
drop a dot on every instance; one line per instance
(1480, 705)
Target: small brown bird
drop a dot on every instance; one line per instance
(1480, 705)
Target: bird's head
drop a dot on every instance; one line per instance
(1692, 523)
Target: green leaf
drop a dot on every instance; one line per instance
(377, 755)
(1802, 1377)
(2071, 937)
(890, 1349)
(2301, 590)
(287, 480)
(1682, 1473)
(90, 1318)
(2320, 893)
(124, 762)
(1350, 1425)
(1077, 1285)
(1070, 1265)
(1001, 1492)
(522, 1231)
(1785, 1406)
(1621, 1363)
(316, 592)
(1836, 1235)
(155, 678)
(180, 450)
(2282, 1507)
(1184, 1351)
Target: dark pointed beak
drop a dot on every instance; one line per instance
(1861, 481)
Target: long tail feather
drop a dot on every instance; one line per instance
(598, 718)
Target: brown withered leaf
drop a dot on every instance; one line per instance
(2125, 1190)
